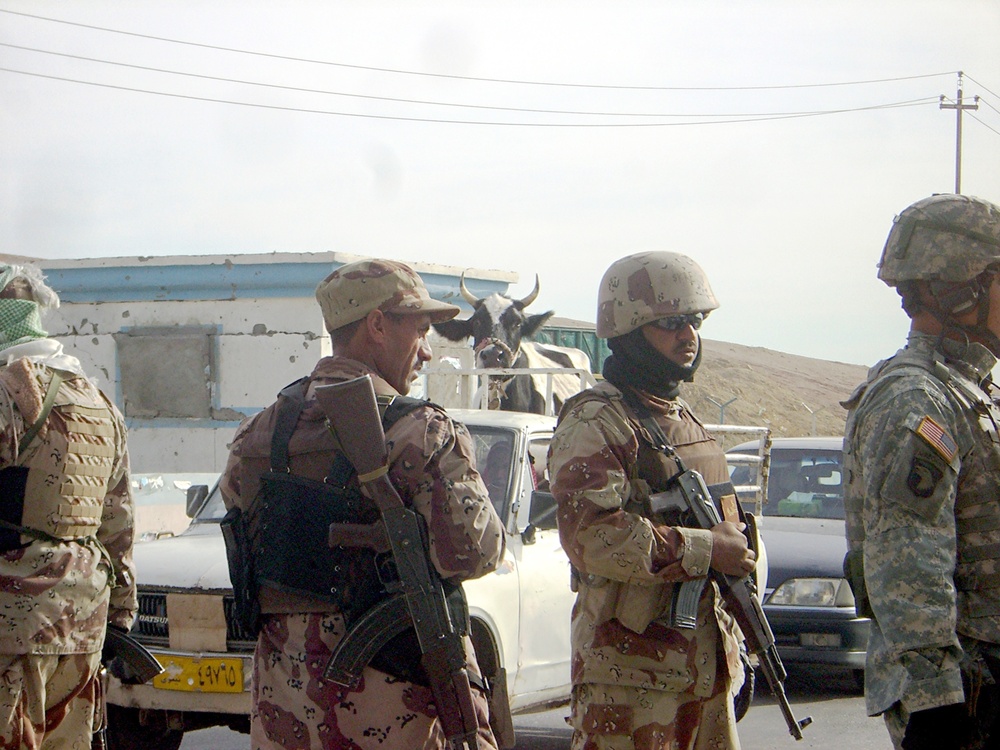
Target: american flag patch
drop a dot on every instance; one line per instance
(938, 439)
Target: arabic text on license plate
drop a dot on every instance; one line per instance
(199, 675)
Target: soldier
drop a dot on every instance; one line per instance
(638, 683)
(923, 479)
(65, 528)
(378, 313)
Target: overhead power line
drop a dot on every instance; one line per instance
(400, 71)
(738, 119)
(326, 92)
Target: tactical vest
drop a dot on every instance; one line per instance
(289, 530)
(64, 465)
(977, 515)
(693, 444)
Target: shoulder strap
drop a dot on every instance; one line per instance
(645, 418)
(291, 402)
(50, 399)
(398, 407)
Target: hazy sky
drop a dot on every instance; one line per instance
(537, 137)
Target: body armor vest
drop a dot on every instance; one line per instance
(289, 531)
(977, 514)
(65, 469)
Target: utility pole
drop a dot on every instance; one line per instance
(813, 413)
(959, 107)
(722, 407)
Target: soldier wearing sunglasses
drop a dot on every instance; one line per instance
(639, 681)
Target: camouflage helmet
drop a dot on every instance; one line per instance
(949, 238)
(644, 287)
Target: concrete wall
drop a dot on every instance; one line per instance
(189, 346)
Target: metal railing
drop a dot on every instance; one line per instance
(468, 388)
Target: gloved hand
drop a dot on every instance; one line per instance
(939, 728)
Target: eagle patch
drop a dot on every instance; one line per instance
(923, 477)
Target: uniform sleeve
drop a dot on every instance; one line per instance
(432, 461)
(231, 481)
(906, 452)
(589, 456)
(117, 532)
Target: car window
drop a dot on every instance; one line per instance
(494, 454)
(806, 484)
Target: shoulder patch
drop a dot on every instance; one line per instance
(937, 438)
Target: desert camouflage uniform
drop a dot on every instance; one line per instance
(56, 597)
(923, 469)
(432, 465)
(638, 683)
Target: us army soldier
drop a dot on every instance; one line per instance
(922, 455)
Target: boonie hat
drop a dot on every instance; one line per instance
(355, 289)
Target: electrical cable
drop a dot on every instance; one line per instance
(748, 118)
(398, 71)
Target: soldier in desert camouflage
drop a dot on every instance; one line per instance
(638, 683)
(65, 528)
(378, 313)
(922, 456)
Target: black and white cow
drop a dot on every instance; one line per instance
(497, 326)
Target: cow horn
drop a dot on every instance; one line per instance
(466, 294)
(531, 297)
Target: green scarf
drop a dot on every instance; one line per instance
(19, 322)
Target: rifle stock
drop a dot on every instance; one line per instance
(690, 500)
(352, 412)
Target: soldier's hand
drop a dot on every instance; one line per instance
(940, 728)
(730, 553)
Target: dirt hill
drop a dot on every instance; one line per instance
(772, 388)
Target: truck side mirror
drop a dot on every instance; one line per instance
(196, 495)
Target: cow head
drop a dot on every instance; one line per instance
(496, 327)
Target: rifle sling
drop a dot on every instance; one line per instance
(47, 404)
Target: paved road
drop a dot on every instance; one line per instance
(831, 698)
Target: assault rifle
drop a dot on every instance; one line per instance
(688, 502)
(353, 416)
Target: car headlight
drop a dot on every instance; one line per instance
(813, 592)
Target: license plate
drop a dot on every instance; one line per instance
(199, 675)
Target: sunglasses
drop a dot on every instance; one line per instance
(676, 322)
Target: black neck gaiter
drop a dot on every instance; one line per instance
(634, 363)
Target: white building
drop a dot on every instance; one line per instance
(189, 346)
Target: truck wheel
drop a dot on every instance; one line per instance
(127, 732)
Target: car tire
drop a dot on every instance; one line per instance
(127, 732)
(859, 679)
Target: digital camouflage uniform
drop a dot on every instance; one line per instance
(59, 591)
(432, 466)
(923, 478)
(639, 684)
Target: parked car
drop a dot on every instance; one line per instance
(520, 613)
(808, 602)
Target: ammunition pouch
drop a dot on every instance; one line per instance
(13, 481)
(292, 516)
(246, 608)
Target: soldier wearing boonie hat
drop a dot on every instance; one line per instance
(65, 528)
(640, 681)
(922, 468)
(378, 313)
